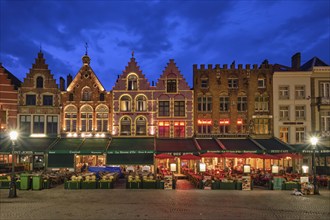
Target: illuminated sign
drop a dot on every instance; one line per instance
(226, 122)
(204, 122)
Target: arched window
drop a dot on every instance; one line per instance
(132, 82)
(86, 118)
(40, 82)
(70, 117)
(141, 103)
(141, 126)
(86, 94)
(102, 115)
(125, 126)
(125, 104)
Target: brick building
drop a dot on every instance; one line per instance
(233, 101)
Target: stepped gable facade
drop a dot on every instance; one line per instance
(85, 104)
(39, 101)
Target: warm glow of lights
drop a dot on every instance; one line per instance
(97, 135)
(314, 140)
(204, 122)
(239, 121)
(83, 135)
(69, 135)
(224, 122)
(152, 130)
(13, 135)
(102, 135)
(75, 135)
(305, 169)
(164, 123)
(37, 135)
(64, 129)
(179, 123)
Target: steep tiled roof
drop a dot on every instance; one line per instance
(315, 61)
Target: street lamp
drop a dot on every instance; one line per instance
(12, 187)
(314, 141)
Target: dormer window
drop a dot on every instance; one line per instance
(132, 82)
(171, 85)
(40, 82)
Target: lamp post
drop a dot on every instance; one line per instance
(12, 187)
(314, 141)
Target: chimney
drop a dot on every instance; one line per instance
(68, 80)
(295, 61)
(62, 83)
(152, 83)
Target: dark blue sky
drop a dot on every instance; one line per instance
(191, 32)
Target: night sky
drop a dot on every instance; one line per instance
(191, 32)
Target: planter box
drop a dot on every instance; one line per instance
(4, 184)
(228, 185)
(72, 185)
(291, 186)
(160, 184)
(149, 185)
(46, 184)
(134, 185)
(105, 185)
(216, 185)
(88, 185)
(239, 185)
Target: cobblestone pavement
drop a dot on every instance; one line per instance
(58, 203)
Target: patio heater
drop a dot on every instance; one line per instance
(314, 141)
(12, 187)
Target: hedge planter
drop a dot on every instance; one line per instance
(4, 184)
(149, 184)
(228, 185)
(72, 185)
(88, 185)
(105, 185)
(216, 185)
(239, 185)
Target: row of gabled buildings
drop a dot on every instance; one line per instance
(272, 102)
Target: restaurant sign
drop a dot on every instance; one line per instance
(130, 152)
(278, 151)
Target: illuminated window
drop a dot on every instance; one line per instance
(325, 89)
(224, 126)
(163, 129)
(125, 104)
(125, 126)
(204, 126)
(241, 126)
(163, 108)
(132, 82)
(40, 82)
(261, 103)
(261, 125)
(179, 129)
(261, 83)
(325, 120)
(70, 122)
(284, 134)
(86, 118)
(141, 126)
(179, 108)
(171, 85)
(204, 103)
(224, 103)
(102, 122)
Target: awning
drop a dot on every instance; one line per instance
(66, 146)
(176, 147)
(272, 145)
(240, 146)
(321, 149)
(189, 157)
(60, 161)
(210, 154)
(208, 145)
(131, 146)
(27, 145)
(164, 156)
(94, 146)
(130, 159)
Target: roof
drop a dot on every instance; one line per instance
(240, 145)
(137, 159)
(13, 79)
(176, 145)
(131, 144)
(208, 145)
(273, 145)
(315, 61)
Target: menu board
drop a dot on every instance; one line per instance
(168, 182)
(207, 182)
(278, 183)
(246, 182)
